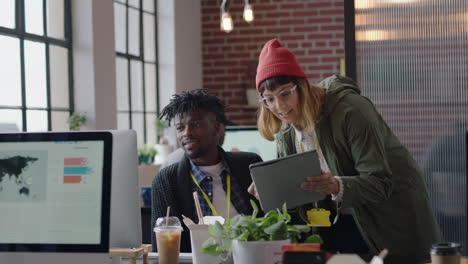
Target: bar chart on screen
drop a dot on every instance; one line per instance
(75, 170)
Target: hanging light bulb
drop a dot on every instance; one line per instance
(226, 22)
(227, 25)
(248, 12)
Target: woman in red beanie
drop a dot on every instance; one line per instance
(374, 187)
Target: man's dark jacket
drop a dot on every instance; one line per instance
(173, 187)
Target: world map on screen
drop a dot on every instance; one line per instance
(14, 167)
(22, 177)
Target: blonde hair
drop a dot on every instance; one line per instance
(310, 105)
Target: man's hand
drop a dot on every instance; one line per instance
(325, 183)
(253, 191)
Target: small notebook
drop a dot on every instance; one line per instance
(278, 181)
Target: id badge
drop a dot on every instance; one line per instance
(318, 217)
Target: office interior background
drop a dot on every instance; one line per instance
(118, 63)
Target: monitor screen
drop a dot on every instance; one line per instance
(55, 191)
(239, 138)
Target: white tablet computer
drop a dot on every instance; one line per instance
(278, 181)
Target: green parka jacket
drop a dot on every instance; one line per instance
(382, 183)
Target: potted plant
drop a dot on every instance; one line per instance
(253, 239)
(146, 154)
(75, 121)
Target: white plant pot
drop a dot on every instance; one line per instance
(255, 252)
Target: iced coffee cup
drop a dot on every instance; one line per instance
(445, 253)
(168, 230)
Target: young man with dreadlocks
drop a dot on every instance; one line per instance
(206, 168)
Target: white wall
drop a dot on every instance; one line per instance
(179, 47)
(94, 62)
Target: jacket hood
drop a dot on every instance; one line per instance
(337, 87)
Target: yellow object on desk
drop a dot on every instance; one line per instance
(318, 217)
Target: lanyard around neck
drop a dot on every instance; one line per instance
(207, 199)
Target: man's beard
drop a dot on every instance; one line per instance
(196, 154)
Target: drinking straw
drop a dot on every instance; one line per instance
(167, 215)
(197, 205)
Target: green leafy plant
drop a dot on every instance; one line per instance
(146, 153)
(75, 121)
(273, 226)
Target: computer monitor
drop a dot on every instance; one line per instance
(247, 138)
(68, 196)
(8, 128)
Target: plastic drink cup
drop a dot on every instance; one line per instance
(168, 231)
(445, 253)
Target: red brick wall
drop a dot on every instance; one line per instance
(312, 29)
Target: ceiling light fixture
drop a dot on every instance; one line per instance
(227, 24)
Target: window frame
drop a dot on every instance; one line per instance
(19, 32)
(128, 57)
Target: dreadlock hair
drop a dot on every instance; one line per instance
(194, 100)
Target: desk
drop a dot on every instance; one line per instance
(187, 258)
(184, 258)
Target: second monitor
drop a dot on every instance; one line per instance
(247, 138)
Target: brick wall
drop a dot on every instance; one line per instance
(312, 29)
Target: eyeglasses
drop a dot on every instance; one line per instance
(269, 100)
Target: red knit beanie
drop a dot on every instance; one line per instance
(276, 60)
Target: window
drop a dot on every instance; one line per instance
(36, 64)
(136, 69)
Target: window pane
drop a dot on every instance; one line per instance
(150, 129)
(149, 40)
(59, 121)
(136, 78)
(120, 28)
(10, 72)
(7, 13)
(148, 5)
(55, 19)
(122, 121)
(11, 120)
(121, 1)
(134, 3)
(133, 32)
(150, 87)
(122, 84)
(36, 120)
(59, 76)
(34, 56)
(33, 16)
(137, 125)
